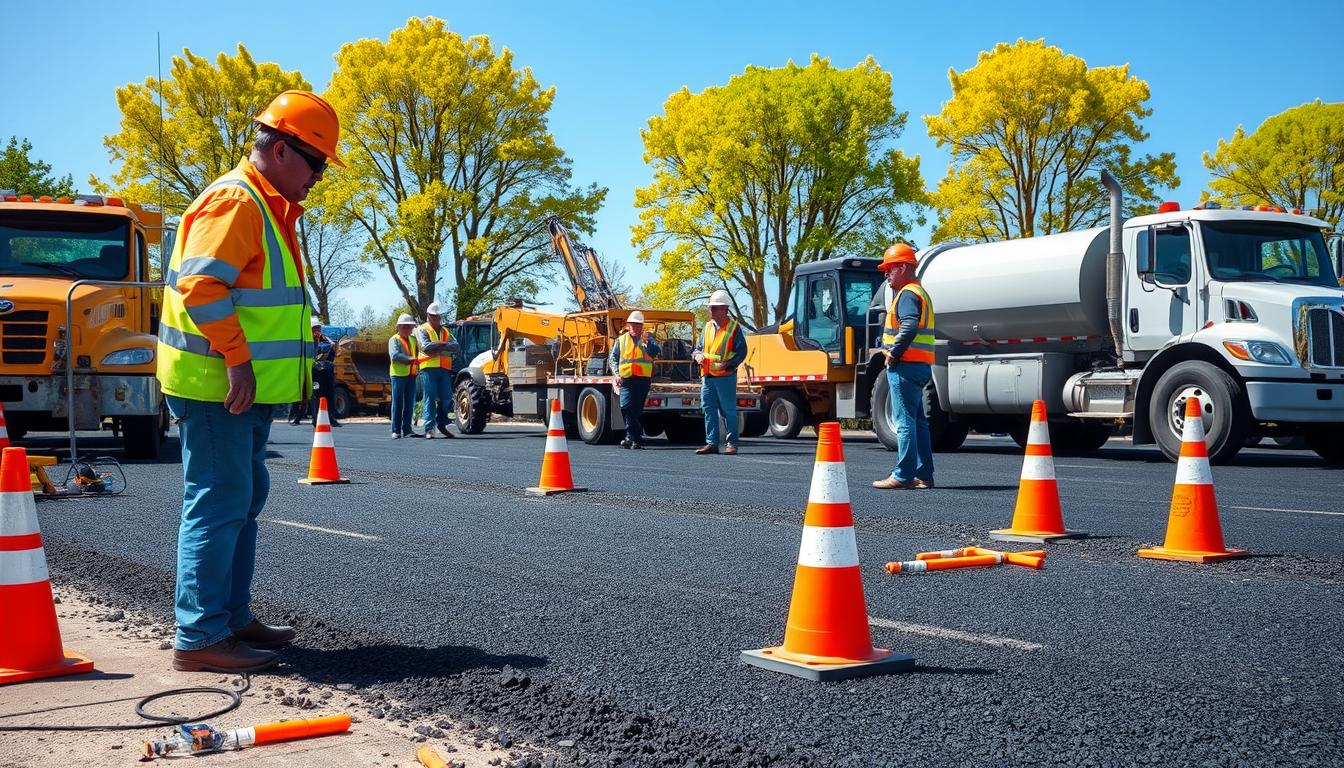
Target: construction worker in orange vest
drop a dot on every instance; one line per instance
(632, 357)
(721, 350)
(907, 340)
(234, 343)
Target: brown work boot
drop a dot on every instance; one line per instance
(923, 484)
(704, 449)
(228, 656)
(731, 450)
(892, 484)
(264, 636)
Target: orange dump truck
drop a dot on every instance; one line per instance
(86, 260)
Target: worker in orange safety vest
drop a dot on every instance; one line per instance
(632, 357)
(907, 341)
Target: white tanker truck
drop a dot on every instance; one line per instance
(1240, 307)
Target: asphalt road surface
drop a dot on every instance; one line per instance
(623, 609)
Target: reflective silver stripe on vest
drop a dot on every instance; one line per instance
(260, 350)
(268, 297)
(204, 265)
(211, 311)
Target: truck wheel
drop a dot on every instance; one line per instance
(343, 404)
(1227, 414)
(754, 423)
(141, 437)
(593, 418)
(1325, 441)
(884, 426)
(471, 401)
(785, 415)
(945, 434)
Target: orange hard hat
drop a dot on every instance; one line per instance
(308, 118)
(897, 253)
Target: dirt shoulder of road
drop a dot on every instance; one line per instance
(133, 656)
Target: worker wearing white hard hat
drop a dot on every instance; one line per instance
(438, 346)
(403, 349)
(632, 357)
(722, 348)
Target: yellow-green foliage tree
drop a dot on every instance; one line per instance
(205, 129)
(449, 152)
(778, 167)
(1029, 128)
(1295, 159)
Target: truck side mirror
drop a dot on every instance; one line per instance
(1146, 259)
(1336, 247)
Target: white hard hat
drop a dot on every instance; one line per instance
(635, 317)
(405, 319)
(720, 298)
(433, 309)
(316, 321)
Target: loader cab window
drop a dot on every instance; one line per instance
(818, 311)
(860, 288)
(473, 339)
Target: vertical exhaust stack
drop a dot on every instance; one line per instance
(1115, 265)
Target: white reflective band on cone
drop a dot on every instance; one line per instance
(1038, 468)
(1038, 433)
(557, 421)
(828, 547)
(556, 444)
(27, 566)
(1193, 470)
(830, 485)
(1193, 431)
(323, 420)
(18, 513)
(323, 440)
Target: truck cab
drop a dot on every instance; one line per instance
(80, 258)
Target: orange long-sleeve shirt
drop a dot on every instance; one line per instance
(227, 225)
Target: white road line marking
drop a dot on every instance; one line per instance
(1275, 509)
(457, 456)
(320, 529)
(943, 633)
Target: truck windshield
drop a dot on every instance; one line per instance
(58, 243)
(1251, 250)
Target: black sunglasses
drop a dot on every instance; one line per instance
(316, 164)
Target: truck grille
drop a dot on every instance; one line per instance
(1325, 338)
(23, 337)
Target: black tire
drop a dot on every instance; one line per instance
(755, 424)
(684, 430)
(593, 417)
(141, 437)
(1326, 442)
(785, 414)
(343, 404)
(1227, 413)
(883, 425)
(945, 434)
(471, 404)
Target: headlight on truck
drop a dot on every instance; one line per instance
(136, 356)
(1259, 351)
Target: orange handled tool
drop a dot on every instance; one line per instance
(200, 739)
(1033, 559)
(429, 758)
(944, 563)
(290, 730)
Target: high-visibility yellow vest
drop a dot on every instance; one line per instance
(921, 348)
(717, 348)
(411, 346)
(437, 361)
(274, 319)
(635, 362)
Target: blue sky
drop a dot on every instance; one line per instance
(1211, 66)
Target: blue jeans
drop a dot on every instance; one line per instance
(438, 397)
(633, 394)
(718, 395)
(225, 483)
(403, 403)
(914, 454)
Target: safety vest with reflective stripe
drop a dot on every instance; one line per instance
(635, 362)
(274, 319)
(921, 348)
(411, 346)
(437, 361)
(718, 348)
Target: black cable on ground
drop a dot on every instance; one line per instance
(235, 699)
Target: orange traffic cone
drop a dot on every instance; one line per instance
(1193, 531)
(1037, 516)
(826, 637)
(30, 639)
(4, 433)
(555, 474)
(322, 469)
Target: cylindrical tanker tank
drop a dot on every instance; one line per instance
(1049, 286)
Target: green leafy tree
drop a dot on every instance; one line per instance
(1295, 159)
(28, 176)
(450, 156)
(205, 129)
(1030, 128)
(778, 167)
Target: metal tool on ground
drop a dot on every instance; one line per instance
(1037, 516)
(1194, 533)
(827, 636)
(555, 472)
(30, 637)
(1032, 559)
(201, 739)
(322, 469)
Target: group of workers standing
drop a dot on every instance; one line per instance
(421, 359)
